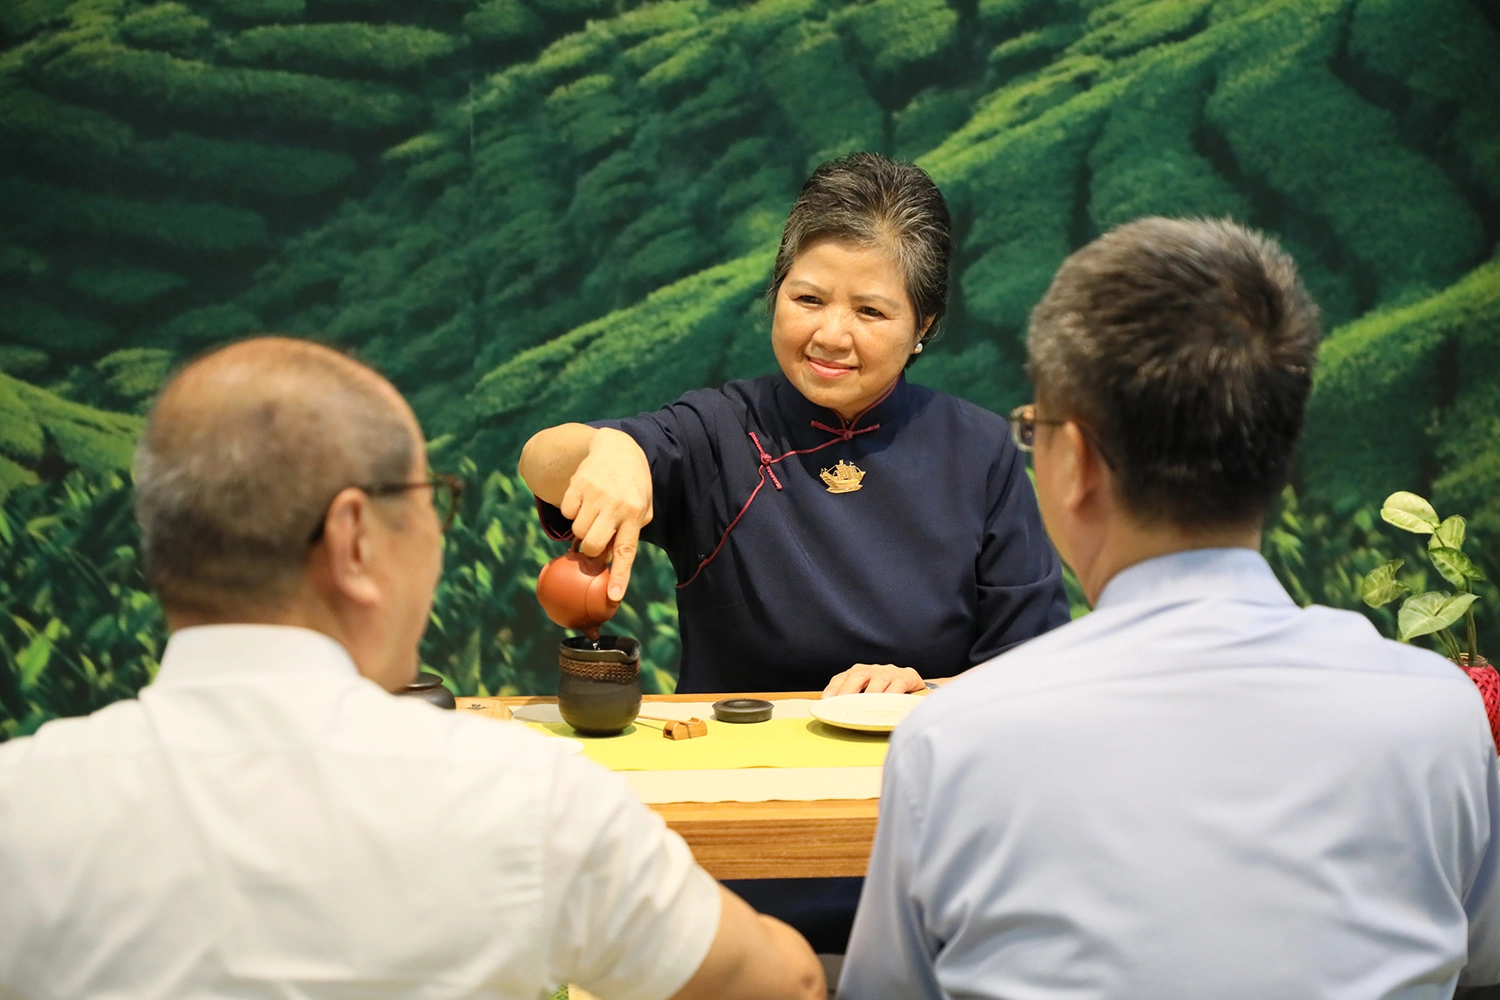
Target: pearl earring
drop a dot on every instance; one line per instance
(919, 348)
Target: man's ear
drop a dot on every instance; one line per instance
(348, 546)
(1083, 469)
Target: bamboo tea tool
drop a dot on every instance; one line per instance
(483, 706)
(676, 729)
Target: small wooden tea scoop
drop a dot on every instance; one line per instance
(676, 729)
(484, 706)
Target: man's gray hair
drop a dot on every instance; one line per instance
(874, 202)
(241, 456)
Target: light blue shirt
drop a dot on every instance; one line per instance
(1198, 790)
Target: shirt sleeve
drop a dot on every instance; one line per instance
(679, 445)
(1020, 577)
(632, 914)
(890, 952)
(1482, 903)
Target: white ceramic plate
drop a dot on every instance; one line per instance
(869, 713)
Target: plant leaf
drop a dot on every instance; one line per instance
(1458, 604)
(1410, 512)
(1380, 586)
(1426, 613)
(1449, 534)
(1457, 568)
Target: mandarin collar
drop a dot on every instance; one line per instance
(1195, 575)
(209, 651)
(800, 409)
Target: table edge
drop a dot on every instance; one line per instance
(516, 701)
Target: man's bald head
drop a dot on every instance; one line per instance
(241, 456)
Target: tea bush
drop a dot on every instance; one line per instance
(340, 49)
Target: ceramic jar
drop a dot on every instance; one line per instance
(429, 687)
(599, 690)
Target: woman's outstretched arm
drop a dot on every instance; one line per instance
(600, 480)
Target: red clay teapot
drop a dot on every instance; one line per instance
(574, 591)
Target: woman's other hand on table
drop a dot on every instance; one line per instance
(875, 678)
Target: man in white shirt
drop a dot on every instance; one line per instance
(266, 820)
(1199, 789)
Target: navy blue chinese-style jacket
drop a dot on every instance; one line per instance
(937, 561)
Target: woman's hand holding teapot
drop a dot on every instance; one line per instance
(608, 499)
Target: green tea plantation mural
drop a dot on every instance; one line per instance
(528, 211)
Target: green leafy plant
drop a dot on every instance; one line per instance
(1433, 612)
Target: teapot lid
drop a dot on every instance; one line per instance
(425, 679)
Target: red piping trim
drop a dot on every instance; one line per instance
(843, 433)
(725, 537)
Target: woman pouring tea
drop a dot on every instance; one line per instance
(833, 527)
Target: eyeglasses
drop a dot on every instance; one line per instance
(1023, 423)
(446, 492)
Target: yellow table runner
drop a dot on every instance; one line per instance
(777, 743)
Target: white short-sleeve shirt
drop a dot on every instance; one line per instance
(264, 822)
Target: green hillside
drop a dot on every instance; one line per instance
(570, 265)
(1405, 388)
(444, 186)
(43, 435)
(527, 211)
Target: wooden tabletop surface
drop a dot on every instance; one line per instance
(822, 839)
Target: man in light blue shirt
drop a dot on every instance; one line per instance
(1199, 789)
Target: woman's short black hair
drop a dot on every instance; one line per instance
(1187, 347)
(872, 201)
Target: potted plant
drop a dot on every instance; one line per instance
(1437, 612)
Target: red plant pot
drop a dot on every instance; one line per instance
(1487, 680)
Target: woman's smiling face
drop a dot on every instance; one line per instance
(843, 325)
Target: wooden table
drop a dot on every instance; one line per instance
(827, 838)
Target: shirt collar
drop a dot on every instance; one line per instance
(1195, 575)
(207, 651)
(801, 409)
